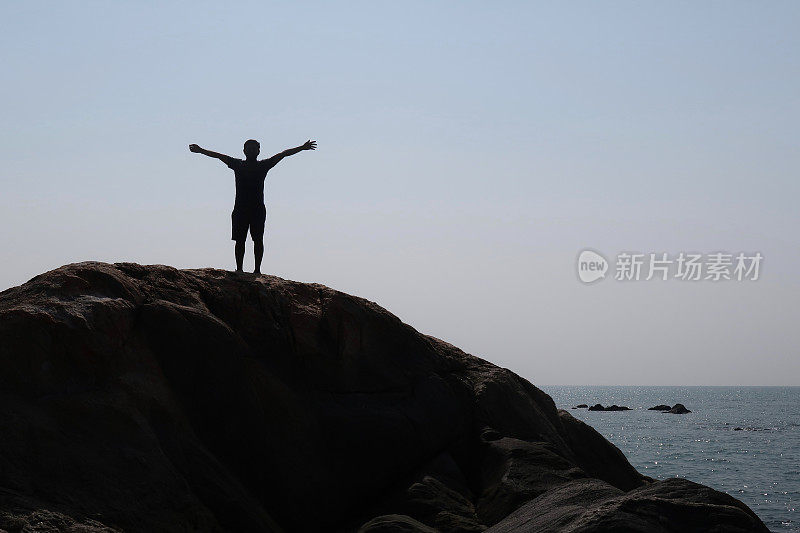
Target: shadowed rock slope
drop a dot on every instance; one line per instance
(145, 398)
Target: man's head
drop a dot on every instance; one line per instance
(251, 149)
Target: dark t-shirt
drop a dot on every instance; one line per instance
(250, 177)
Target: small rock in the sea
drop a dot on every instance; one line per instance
(581, 406)
(678, 409)
(615, 407)
(660, 407)
(738, 429)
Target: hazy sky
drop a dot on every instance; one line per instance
(467, 152)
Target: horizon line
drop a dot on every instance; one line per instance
(644, 385)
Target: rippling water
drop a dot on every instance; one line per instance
(759, 463)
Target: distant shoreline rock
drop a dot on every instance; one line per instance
(615, 407)
(581, 406)
(679, 409)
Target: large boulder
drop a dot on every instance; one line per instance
(145, 398)
(593, 506)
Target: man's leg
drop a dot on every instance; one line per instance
(258, 248)
(257, 233)
(239, 224)
(239, 250)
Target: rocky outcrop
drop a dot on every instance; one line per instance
(145, 398)
(593, 506)
(615, 407)
(679, 409)
(581, 406)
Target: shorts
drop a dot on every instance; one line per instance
(244, 218)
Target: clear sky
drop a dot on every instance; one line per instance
(467, 152)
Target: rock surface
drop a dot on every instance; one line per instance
(660, 407)
(145, 398)
(615, 407)
(679, 409)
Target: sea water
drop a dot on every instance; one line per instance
(741, 440)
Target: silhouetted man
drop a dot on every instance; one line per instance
(248, 209)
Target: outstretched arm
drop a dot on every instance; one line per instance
(308, 145)
(222, 157)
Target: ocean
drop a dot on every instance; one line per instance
(741, 440)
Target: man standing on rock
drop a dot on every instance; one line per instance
(248, 209)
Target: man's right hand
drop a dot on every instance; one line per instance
(194, 148)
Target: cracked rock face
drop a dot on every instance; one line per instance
(145, 398)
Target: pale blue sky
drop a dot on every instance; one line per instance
(467, 152)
